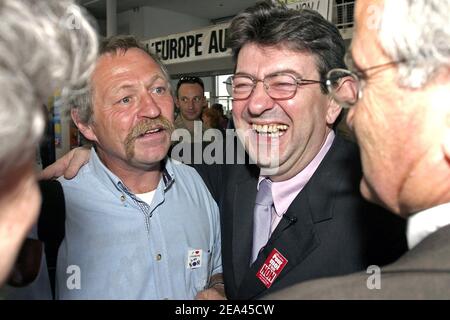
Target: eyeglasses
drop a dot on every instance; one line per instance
(336, 78)
(279, 86)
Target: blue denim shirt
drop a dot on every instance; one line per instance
(118, 247)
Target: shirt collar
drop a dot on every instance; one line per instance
(424, 223)
(107, 177)
(284, 192)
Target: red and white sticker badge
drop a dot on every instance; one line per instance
(271, 268)
(194, 259)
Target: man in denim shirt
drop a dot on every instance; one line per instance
(139, 225)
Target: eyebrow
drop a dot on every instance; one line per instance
(156, 77)
(289, 71)
(186, 97)
(132, 84)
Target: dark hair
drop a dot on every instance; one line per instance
(218, 107)
(190, 79)
(270, 24)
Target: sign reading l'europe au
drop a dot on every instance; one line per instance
(196, 45)
(210, 42)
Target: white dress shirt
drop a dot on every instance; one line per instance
(424, 223)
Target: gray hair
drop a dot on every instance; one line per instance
(271, 24)
(44, 45)
(417, 33)
(112, 45)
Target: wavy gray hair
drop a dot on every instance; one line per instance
(44, 45)
(418, 33)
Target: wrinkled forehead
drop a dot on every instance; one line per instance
(190, 89)
(256, 58)
(132, 65)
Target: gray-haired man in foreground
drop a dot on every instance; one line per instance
(44, 45)
(401, 118)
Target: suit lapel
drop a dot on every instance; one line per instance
(295, 241)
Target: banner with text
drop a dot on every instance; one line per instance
(191, 46)
(210, 42)
(324, 7)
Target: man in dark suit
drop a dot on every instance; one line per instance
(299, 172)
(319, 224)
(402, 124)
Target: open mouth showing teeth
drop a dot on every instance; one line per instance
(271, 130)
(148, 132)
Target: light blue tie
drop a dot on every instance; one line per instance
(262, 217)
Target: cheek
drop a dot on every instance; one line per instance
(167, 112)
(299, 118)
(117, 123)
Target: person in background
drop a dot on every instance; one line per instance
(190, 99)
(44, 45)
(400, 114)
(223, 118)
(211, 119)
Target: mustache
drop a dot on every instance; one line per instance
(145, 125)
(142, 127)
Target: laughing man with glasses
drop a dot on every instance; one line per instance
(319, 224)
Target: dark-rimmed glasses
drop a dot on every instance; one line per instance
(279, 86)
(337, 77)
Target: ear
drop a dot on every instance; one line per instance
(85, 129)
(333, 111)
(345, 92)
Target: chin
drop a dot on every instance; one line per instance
(154, 157)
(151, 155)
(369, 193)
(192, 117)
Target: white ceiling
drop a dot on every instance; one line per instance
(206, 9)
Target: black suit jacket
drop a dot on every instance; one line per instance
(331, 230)
(51, 223)
(422, 273)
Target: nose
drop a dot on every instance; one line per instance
(148, 107)
(190, 103)
(259, 101)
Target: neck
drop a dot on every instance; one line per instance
(138, 179)
(188, 123)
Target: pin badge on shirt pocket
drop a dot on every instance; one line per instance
(194, 260)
